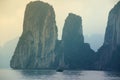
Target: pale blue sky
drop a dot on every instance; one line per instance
(93, 12)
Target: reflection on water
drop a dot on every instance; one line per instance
(53, 75)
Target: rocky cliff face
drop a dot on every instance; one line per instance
(77, 54)
(36, 45)
(111, 45)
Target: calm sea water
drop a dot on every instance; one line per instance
(53, 75)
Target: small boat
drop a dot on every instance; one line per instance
(59, 70)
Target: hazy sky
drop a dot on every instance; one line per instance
(94, 14)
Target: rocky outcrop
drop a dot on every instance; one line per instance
(36, 45)
(111, 45)
(77, 54)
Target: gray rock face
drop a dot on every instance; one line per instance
(36, 45)
(111, 41)
(77, 54)
(73, 29)
(112, 35)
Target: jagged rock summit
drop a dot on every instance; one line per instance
(77, 54)
(35, 49)
(110, 51)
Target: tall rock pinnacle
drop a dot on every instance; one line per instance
(110, 51)
(36, 45)
(77, 54)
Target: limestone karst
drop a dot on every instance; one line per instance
(36, 45)
(110, 51)
(77, 54)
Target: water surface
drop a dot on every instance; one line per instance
(53, 75)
